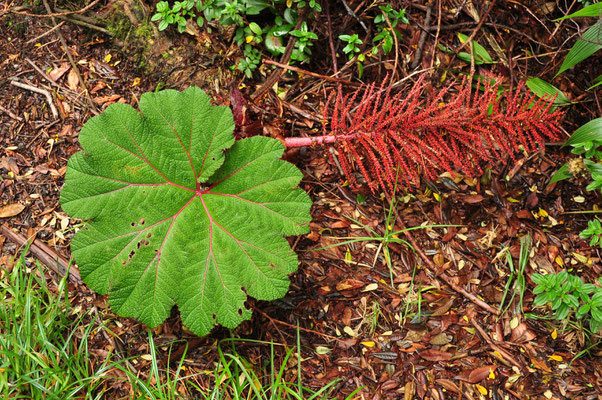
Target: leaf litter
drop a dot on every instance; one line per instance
(424, 338)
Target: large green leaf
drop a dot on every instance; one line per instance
(589, 132)
(542, 88)
(481, 56)
(174, 219)
(591, 43)
(593, 10)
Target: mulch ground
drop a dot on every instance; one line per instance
(392, 327)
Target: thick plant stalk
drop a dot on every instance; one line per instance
(392, 140)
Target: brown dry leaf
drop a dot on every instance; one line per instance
(440, 339)
(540, 364)
(435, 355)
(99, 86)
(348, 284)
(522, 333)
(59, 71)
(471, 198)
(339, 224)
(478, 374)
(443, 309)
(10, 164)
(11, 210)
(106, 99)
(409, 390)
(448, 385)
(72, 80)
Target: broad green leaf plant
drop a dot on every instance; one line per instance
(177, 212)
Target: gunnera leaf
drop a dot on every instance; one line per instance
(174, 218)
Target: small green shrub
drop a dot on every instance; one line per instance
(593, 232)
(568, 295)
(250, 36)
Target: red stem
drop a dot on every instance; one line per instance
(308, 141)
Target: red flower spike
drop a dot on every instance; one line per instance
(390, 140)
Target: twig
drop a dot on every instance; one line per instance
(481, 22)
(11, 114)
(350, 12)
(273, 320)
(40, 91)
(48, 32)
(437, 33)
(422, 40)
(306, 72)
(88, 25)
(446, 278)
(53, 83)
(275, 76)
(52, 15)
(45, 254)
(71, 60)
(562, 21)
(494, 346)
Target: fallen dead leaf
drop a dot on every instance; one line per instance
(435, 355)
(72, 80)
(522, 334)
(11, 210)
(347, 284)
(106, 99)
(478, 374)
(57, 72)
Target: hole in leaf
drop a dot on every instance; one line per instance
(240, 312)
(131, 254)
(243, 289)
(133, 224)
(144, 242)
(142, 221)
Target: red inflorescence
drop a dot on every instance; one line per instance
(392, 140)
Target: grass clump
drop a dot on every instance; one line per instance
(41, 356)
(46, 352)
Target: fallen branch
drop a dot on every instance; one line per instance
(503, 353)
(444, 277)
(45, 254)
(306, 72)
(40, 91)
(11, 114)
(48, 32)
(52, 15)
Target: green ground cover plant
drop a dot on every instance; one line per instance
(253, 35)
(569, 297)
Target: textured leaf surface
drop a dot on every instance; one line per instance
(583, 48)
(173, 219)
(586, 133)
